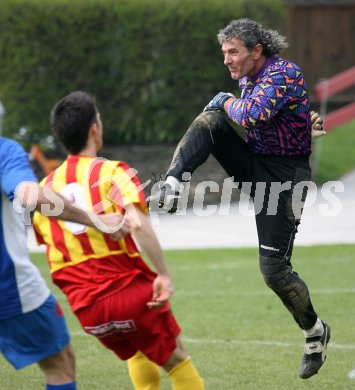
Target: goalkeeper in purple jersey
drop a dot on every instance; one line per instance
(264, 139)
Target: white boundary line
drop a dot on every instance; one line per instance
(325, 291)
(260, 342)
(271, 343)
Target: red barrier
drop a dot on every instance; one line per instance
(340, 116)
(330, 87)
(335, 84)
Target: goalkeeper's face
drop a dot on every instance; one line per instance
(240, 61)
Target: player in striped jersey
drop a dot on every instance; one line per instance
(263, 140)
(115, 295)
(32, 326)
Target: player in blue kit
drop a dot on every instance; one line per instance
(32, 326)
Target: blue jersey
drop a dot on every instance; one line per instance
(22, 289)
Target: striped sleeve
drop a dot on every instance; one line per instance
(126, 187)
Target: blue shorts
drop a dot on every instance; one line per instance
(33, 336)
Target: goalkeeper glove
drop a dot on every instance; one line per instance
(217, 103)
(317, 125)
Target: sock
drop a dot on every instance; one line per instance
(316, 330)
(67, 386)
(144, 374)
(185, 377)
(173, 182)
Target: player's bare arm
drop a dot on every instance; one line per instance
(145, 237)
(35, 197)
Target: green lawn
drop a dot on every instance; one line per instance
(334, 154)
(236, 330)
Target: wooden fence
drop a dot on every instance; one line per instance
(321, 35)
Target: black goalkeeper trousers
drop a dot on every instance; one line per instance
(278, 186)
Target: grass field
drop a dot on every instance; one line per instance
(334, 154)
(236, 330)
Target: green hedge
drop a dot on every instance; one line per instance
(152, 64)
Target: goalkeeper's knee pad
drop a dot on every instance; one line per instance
(276, 272)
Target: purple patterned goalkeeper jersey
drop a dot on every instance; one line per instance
(274, 110)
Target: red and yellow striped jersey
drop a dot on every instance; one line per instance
(85, 263)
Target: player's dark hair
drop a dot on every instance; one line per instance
(251, 33)
(71, 118)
